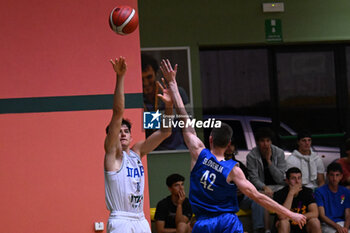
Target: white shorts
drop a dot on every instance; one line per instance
(328, 229)
(125, 222)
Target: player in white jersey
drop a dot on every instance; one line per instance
(124, 173)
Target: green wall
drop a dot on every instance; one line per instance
(204, 23)
(236, 22)
(162, 165)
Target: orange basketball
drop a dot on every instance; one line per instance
(123, 20)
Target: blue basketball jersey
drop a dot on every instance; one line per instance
(210, 194)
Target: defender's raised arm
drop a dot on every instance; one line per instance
(194, 144)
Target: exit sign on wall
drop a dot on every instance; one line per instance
(273, 30)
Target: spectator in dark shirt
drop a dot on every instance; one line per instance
(174, 212)
(298, 199)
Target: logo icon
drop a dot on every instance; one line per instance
(151, 120)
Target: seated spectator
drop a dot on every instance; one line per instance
(266, 167)
(174, 212)
(333, 202)
(245, 202)
(299, 199)
(310, 163)
(231, 152)
(345, 163)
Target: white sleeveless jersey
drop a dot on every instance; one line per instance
(124, 188)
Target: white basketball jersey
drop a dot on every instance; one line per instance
(124, 188)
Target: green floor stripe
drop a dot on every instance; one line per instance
(66, 103)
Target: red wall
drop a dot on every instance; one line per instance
(58, 48)
(51, 164)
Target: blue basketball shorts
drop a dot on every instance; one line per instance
(223, 223)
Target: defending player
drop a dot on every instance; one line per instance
(124, 173)
(213, 184)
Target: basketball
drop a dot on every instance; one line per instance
(123, 20)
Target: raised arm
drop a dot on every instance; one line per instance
(194, 144)
(148, 145)
(113, 149)
(293, 191)
(236, 175)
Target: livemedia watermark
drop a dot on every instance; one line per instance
(157, 120)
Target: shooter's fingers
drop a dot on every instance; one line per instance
(111, 61)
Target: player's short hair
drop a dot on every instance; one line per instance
(221, 136)
(334, 167)
(264, 132)
(292, 170)
(173, 178)
(125, 122)
(147, 60)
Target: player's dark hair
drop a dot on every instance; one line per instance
(221, 136)
(292, 170)
(334, 167)
(125, 122)
(147, 60)
(173, 178)
(264, 132)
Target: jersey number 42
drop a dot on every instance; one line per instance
(208, 180)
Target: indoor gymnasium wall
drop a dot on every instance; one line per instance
(224, 23)
(227, 23)
(56, 91)
(160, 166)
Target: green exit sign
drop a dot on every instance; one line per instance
(273, 30)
